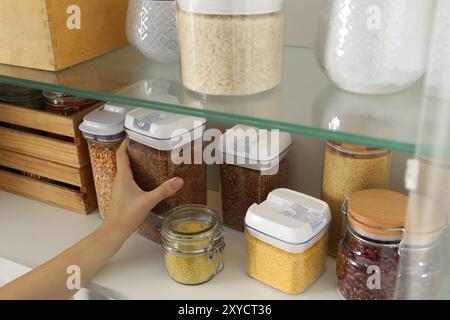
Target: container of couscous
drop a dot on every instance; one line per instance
(230, 47)
(349, 168)
(193, 239)
(287, 238)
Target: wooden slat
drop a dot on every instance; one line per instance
(44, 191)
(41, 147)
(88, 188)
(36, 119)
(42, 168)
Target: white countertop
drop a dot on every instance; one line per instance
(32, 232)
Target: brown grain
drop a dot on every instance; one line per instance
(241, 187)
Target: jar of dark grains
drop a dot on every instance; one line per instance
(368, 257)
(66, 105)
(254, 163)
(161, 146)
(151, 229)
(347, 169)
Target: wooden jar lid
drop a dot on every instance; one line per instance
(376, 211)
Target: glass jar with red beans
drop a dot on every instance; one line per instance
(66, 105)
(368, 257)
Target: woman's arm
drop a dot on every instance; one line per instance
(129, 209)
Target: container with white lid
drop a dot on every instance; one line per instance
(253, 163)
(104, 131)
(287, 240)
(164, 145)
(230, 48)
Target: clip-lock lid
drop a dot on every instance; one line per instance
(290, 217)
(108, 120)
(253, 145)
(231, 7)
(162, 130)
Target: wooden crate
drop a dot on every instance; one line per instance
(64, 165)
(36, 33)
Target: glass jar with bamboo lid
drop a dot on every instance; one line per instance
(368, 257)
(349, 168)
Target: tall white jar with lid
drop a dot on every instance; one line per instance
(375, 46)
(230, 47)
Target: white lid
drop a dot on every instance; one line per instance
(289, 220)
(231, 7)
(108, 120)
(162, 130)
(253, 148)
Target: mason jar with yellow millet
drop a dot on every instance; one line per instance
(349, 168)
(193, 240)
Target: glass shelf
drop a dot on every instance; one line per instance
(306, 103)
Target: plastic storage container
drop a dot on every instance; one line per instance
(23, 97)
(253, 166)
(104, 132)
(230, 47)
(63, 104)
(287, 238)
(347, 169)
(152, 29)
(368, 259)
(151, 229)
(192, 237)
(155, 140)
(374, 47)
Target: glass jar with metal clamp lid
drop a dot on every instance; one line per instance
(368, 257)
(193, 239)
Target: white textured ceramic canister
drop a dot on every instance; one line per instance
(375, 46)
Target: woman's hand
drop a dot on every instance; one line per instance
(130, 205)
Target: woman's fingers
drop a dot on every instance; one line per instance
(164, 191)
(123, 161)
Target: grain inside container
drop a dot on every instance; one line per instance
(193, 239)
(230, 47)
(104, 131)
(254, 162)
(153, 138)
(347, 169)
(371, 242)
(287, 238)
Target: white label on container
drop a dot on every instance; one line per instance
(145, 123)
(305, 215)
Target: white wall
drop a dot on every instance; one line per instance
(302, 18)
